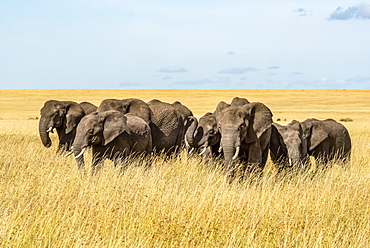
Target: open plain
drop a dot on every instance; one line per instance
(181, 201)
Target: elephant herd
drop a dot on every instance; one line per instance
(242, 133)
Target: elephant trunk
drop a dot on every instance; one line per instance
(189, 136)
(229, 153)
(230, 142)
(44, 132)
(78, 153)
(294, 157)
(79, 145)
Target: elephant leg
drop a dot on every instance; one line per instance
(265, 156)
(255, 157)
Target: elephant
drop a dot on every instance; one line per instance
(64, 116)
(205, 135)
(327, 140)
(168, 125)
(288, 146)
(113, 135)
(245, 134)
(187, 115)
(238, 101)
(130, 105)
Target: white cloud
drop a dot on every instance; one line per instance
(300, 11)
(361, 11)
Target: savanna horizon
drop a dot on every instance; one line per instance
(181, 201)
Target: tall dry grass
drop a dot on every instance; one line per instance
(181, 201)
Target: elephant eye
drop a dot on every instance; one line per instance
(211, 131)
(242, 126)
(91, 131)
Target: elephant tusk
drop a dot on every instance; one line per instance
(186, 142)
(236, 153)
(68, 154)
(80, 154)
(50, 129)
(290, 162)
(204, 150)
(220, 149)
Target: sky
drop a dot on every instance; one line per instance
(218, 44)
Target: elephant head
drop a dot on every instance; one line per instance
(98, 128)
(131, 105)
(238, 101)
(62, 115)
(203, 134)
(288, 145)
(243, 131)
(315, 132)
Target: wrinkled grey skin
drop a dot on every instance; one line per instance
(112, 135)
(248, 127)
(63, 116)
(288, 146)
(238, 101)
(204, 135)
(187, 116)
(168, 125)
(327, 140)
(131, 105)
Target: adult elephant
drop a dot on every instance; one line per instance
(204, 135)
(245, 134)
(186, 115)
(130, 105)
(168, 125)
(288, 146)
(112, 135)
(63, 116)
(327, 140)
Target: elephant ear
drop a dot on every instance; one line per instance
(74, 114)
(276, 142)
(260, 120)
(138, 108)
(220, 107)
(319, 132)
(115, 123)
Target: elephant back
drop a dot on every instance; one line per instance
(139, 108)
(88, 107)
(166, 125)
(131, 105)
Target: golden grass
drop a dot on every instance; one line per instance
(182, 201)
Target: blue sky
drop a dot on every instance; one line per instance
(219, 44)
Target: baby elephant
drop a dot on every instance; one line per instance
(288, 146)
(112, 135)
(204, 135)
(327, 140)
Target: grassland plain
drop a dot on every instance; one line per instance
(181, 201)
